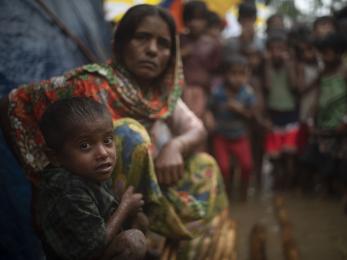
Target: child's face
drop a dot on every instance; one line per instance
(197, 26)
(247, 25)
(308, 52)
(330, 57)
(323, 29)
(253, 57)
(90, 152)
(236, 76)
(276, 23)
(278, 52)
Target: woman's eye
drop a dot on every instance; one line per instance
(164, 43)
(108, 140)
(84, 146)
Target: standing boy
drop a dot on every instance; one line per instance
(282, 106)
(232, 106)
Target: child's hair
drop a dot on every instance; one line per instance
(60, 118)
(214, 20)
(247, 10)
(324, 19)
(232, 61)
(276, 36)
(194, 9)
(271, 19)
(300, 34)
(332, 41)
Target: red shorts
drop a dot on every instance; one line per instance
(282, 139)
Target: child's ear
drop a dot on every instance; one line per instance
(52, 156)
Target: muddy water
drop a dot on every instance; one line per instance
(319, 224)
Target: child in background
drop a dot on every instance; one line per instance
(323, 26)
(77, 211)
(257, 127)
(307, 71)
(215, 25)
(232, 106)
(328, 149)
(280, 83)
(275, 22)
(201, 58)
(246, 17)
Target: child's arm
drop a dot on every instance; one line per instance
(209, 121)
(130, 204)
(267, 71)
(292, 75)
(237, 107)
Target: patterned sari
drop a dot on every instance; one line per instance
(194, 212)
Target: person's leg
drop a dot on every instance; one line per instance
(199, 195)
(290, 148)
(241, 149)
(220, 145)
(272, 147)
(258, 146)
(128, 245)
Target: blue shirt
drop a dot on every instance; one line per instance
(230, 124)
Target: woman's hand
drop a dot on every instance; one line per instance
(169, 163)
(131, 202)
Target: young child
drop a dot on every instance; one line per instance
(328, 152)
(257, 127)
(232, 106)
(275, 22)
(77, 211)
(247, 16)
(280, 83)
(323, 26)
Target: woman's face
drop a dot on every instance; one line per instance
(148, 52)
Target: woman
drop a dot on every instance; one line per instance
(184, 193)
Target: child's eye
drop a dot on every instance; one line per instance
(84, 146)
(141, 36)
(108, 140)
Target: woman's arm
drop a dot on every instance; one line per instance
(188, 132)
(187, 128)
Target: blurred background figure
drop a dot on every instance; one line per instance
(247, 15)
(280, 84)
(201, 51)
(323, 26)
(232, 106)
(275, 22)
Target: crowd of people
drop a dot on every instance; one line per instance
(283, 96)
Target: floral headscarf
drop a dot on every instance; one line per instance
(109, 84)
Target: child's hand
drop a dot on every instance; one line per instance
(235, 105)
(209, 121)
(131, 202)
(141, 222)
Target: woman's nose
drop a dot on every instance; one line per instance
(152, 47)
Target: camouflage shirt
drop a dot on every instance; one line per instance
(72, 213)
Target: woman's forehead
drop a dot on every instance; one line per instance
(154, 23)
